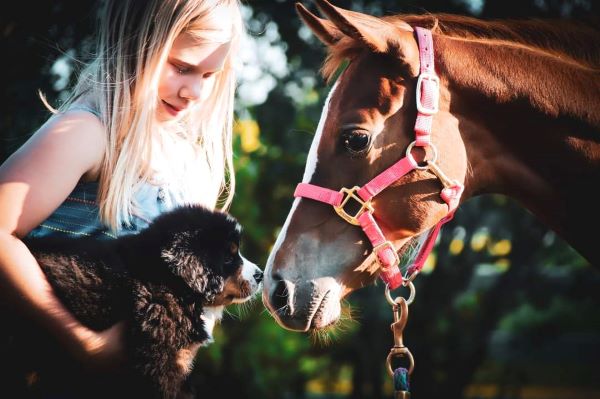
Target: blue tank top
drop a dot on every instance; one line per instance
(79, 216)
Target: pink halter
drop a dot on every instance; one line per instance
(428, 88)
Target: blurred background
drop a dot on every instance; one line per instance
(504, 309)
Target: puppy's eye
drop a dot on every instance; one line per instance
(232, 253)
(356, 141)
(228, 258)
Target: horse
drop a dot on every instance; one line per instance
(507, 107)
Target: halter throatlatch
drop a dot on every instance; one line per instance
(428, 93)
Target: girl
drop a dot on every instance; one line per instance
(146, 127)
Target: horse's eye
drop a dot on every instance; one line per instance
(357, 142)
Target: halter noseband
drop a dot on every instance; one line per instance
(428, 88)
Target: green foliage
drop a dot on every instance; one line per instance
(560, 315)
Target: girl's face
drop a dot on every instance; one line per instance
(189, 75)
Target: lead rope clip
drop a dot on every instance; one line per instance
(400, 375)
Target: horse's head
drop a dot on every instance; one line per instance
(367, 124)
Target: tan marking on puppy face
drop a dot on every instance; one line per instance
(240, 286)
(185, 358)
(235, 287)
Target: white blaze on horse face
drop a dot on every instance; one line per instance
(311, 165)
(311, 160)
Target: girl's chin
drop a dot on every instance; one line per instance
(165, 117)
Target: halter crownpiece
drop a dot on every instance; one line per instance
(428, 89)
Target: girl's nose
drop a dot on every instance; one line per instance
(192, 89)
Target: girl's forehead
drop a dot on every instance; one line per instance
(218, 25)
(186, 48)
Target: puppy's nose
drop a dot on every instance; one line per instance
(258, 276)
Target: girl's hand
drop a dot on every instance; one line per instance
(103, 351)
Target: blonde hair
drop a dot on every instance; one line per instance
(133, 44)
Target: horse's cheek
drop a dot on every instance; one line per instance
(421, 212)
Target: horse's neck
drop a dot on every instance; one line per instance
(534, 121)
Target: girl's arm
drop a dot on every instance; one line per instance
(34, 181)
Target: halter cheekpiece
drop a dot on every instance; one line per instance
(427, 98)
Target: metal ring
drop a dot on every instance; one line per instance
(393, 302)
(401, 352)
(426, 166)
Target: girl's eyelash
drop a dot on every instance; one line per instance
(180, 69)
(183, 70)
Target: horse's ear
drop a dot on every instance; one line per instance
(376, 33)
(326, 31)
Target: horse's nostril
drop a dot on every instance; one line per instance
(258, 276)
(279, 296)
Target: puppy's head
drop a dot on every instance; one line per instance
(201, 247)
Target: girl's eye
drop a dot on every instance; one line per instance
(356, 142)
(180, 69)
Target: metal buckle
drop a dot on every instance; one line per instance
(436, 101)
(365, 206)
(391, 246)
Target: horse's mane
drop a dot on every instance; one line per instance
(578, 40)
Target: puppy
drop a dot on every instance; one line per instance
(169, 283)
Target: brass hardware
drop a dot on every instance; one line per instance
(365, 206)
(400, 352)
(435, 169)
(411, 295)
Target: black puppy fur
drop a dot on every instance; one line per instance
(158, 281)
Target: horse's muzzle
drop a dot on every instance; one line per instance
(304, 306)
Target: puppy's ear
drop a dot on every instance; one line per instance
(183, 262)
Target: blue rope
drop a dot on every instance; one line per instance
(401, 379)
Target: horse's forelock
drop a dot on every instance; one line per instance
(348, 50)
